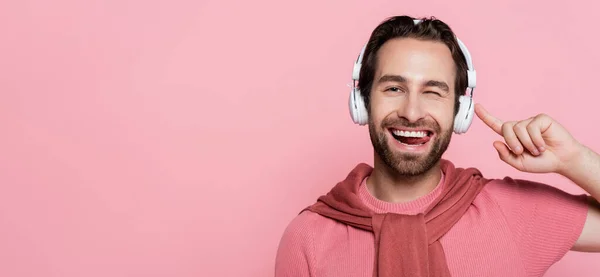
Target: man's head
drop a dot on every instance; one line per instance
(410, 80)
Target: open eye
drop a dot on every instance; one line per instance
(393, 89)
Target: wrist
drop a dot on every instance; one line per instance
(575, 162)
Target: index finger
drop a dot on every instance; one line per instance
(489, 120)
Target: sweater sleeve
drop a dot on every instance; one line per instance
(295, 255)
(545, 221)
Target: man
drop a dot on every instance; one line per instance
(415, 214)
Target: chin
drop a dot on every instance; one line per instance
(412, 166)
(410, 160)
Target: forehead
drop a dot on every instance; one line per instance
(416, 60)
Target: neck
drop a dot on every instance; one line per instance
(387, 185)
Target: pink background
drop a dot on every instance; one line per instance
(142, 138)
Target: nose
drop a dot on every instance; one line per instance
(411, 108)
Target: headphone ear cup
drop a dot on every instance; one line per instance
(352, 107)
(358, 111)
(464, 117)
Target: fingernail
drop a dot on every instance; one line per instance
(518, 148)
(535, 152)
(541, 148)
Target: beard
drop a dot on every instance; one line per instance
(407, 164)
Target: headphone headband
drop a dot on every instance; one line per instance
(471, 74)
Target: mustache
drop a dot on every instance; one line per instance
(403, 122)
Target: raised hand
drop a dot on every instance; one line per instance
(537, 144)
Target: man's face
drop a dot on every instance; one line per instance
(412, 104)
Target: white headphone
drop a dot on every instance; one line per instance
(464, 117)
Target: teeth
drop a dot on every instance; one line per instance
(412, 134)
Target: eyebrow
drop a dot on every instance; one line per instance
(442, 85)
(399, 79)
(392, 78)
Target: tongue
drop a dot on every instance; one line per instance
(410, 140)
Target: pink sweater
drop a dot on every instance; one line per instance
(513, 228)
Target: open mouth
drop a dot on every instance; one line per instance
(411, 137)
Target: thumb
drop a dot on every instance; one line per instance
(506, 155)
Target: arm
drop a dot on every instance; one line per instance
(585, 172)
(540, 144)
(295, 255)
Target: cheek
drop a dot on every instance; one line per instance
(379, 109)
(444, 115)
(376, 117)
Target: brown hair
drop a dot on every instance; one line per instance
(404, 27)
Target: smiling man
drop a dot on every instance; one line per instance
(416, 214)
